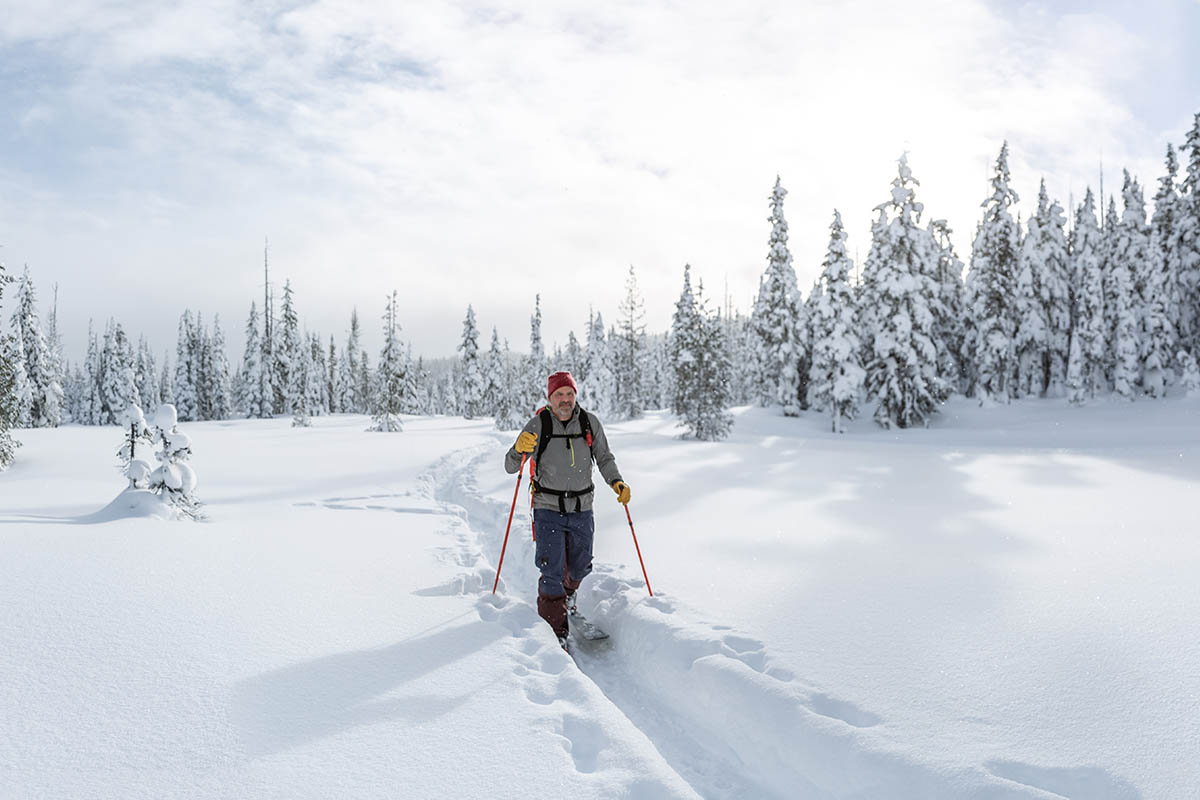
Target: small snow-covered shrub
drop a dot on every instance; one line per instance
(136, 447)
(173, 479)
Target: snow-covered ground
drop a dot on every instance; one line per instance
(1003, 605)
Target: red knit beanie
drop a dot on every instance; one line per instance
(559, 380)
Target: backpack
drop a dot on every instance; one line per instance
(547, 421)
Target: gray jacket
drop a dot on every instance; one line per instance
(565, 464)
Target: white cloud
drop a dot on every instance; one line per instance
(482, 154)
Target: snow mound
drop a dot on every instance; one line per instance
(166, 417)
(138, 471)
(131, 504)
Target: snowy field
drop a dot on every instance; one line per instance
(1003, 605)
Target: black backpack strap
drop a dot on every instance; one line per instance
(544, 438)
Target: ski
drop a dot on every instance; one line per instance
(581, 627)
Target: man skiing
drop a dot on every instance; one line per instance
(562, 440)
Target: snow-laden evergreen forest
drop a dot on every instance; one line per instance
(1105, 302)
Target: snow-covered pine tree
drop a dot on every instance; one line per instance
(1129, 254)
(411, 385)
(44, 387)
(254, 402)
(220, 389)
(173, 480)
(389, 376)
(658, 379)
(1125, 334)
(745, 370)
(287, 350)
(471, 379)
(298, 365)
(1185, 245)
(119, 390)
(1045, 251)
(994, 260)
(764, 387)
(700, 362)
(1158, 289)
(598, 391)
(1031, 341)
(948, 308)
(495, 377)
(236, 392)
(344, 388)
(8, 388)
(23, 390)
(627, 349)
(902, 370)
(146, 375)
(93, 397)
(8, 396)
(685, 339)
(511, 411)
(715, 421)
(299, 372)
(1108, 261)
(270, 336)
(1031, 338)
(200, 347)
(332, 390)
(573, 358)
(266, 362)
(365, 378)
(54, 352)
(1085, 372)
(73, 394)
(165, 379)
(836, 377)
(436, 390)
(667, 385)
(969, 377)
(1154, 334)
(535, 370)
(185, 398)
(776, 318)
(359, 389)
(1163, 224)
(424, 381)
(804, 322)
(318, 397)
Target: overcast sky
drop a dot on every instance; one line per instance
(481, 153)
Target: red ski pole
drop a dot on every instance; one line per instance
(639, 550)
(511, 511)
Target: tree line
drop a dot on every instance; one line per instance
(1046, 309)
(1108, 305)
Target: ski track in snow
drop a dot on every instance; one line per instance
(711, 702)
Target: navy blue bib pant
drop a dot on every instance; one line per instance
(563, 554)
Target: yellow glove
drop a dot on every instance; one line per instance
(622, 490)
(526, 442)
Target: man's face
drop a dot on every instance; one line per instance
(562, 402)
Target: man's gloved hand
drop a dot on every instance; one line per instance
(622, 490)
(526, 442)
